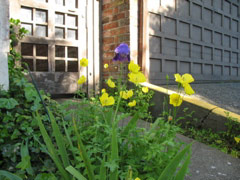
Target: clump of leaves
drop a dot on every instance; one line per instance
(17, 105)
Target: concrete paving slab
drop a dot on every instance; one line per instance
(208, 163)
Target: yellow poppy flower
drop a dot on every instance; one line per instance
(185, 80)
(82, 79)
(110, 83)
(84, 62)
(123, 94)
(105, 66)
(145, 89)
(134, 68)
(103, 90)
(188, 89)
(137, 178)
(237, 139)
(106, 101)
(130, 93)
(137, 77)
(132, 103)
(175, 100)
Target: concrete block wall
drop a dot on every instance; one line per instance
(200, 37)
(4, 44)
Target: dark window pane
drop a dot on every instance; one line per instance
(59, 66)
(60, 51)
(72, 52)
(42, 50)
(59, 33)
(41, 16)
(72, 34)
(59, 18)
(41, 31)
(27, 49)
(29, 62)
(26, 14)
(42, 65)
(71, 21)
(72, 66)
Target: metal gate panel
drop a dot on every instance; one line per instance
(192, 36)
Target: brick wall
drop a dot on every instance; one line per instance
(116, 26)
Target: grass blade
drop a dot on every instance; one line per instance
(103, 170)
(75, 173)
(182, 172)
(59, 139)
(131, 124)
(52, 151)
(24, 153)
(83, 153)
(114, 152)
(171, 168)
(9, 175)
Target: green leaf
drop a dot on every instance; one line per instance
(83, 153)
(45, 176)
(15, 134)
(103, 170)
(171, 168)
(182, 172)
(52, 151)
(131, 124)
(24, 154)
(6, 103)
(59, 139)
(75, 173)
(9, 175)
(114, 153)
(25, 163)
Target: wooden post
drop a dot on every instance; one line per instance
(4, 45)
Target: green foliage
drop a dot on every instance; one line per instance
(222, 140)
(17, 124)
(147, 151)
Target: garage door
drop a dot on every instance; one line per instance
(197, 37)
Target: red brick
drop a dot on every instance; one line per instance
(124, 22)
(108, 40)
(107, 6)
(107, 33)
(115, 10)
(107, 13)
(105, 20)
(109, 47)
(106, 1)
(110, 25)
(120, 30)
(108, 55)
(118, 16)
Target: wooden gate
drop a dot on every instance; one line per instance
(61, 32)
(191, 36)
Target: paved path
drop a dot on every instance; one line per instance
(224, 95)
(208, 163)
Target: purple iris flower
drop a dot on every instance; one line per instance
(122, 53)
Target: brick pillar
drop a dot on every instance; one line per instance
(4, 44)
(119, 25)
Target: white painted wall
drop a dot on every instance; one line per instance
(4, 44)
